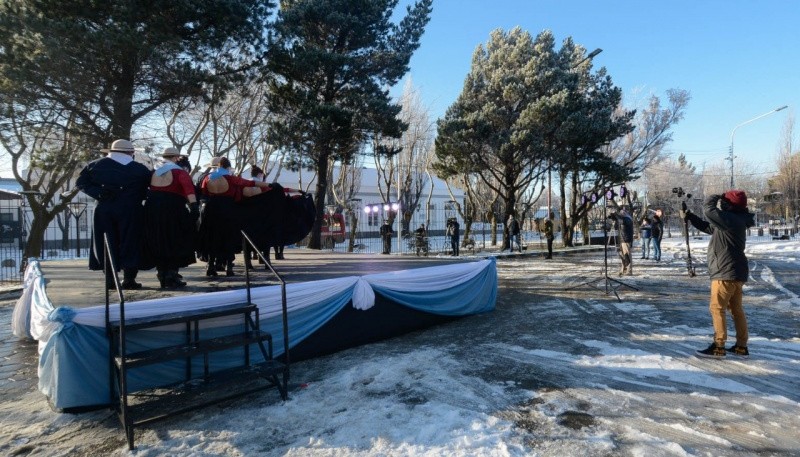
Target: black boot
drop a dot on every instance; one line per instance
(211, 272)
(229, 270)
(162, 278)
(173, 281)
(129, 281)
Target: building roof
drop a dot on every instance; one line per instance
(369, 184)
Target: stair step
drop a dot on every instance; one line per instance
(157, 355)
(155, 404)
(159, 320)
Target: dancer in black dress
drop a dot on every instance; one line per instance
(219, 237)
(169, 225)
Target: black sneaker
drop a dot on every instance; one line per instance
(740, 351)
(713, 352)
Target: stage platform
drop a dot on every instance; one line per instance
(71, 283)
(335, 301)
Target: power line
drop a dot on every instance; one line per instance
(687, 172)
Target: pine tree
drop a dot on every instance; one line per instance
(329, 67)
(112, 62)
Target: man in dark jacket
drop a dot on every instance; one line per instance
(386, 235)
(727, 221)
(513, 231)
(549, 234)
(624, 225)
(119, 185)
(453, 232)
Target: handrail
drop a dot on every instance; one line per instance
(110, 268)
(245, 242)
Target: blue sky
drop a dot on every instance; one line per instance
(738, 59)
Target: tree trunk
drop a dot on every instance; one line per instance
(123, 100)
(35, 242)
(567, 229)
(315, 242)
(64, 226)
(494, 229)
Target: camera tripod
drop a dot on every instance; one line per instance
(609, 284)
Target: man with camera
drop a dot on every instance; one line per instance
(726, 220)
(453, 232)
(386, 233)
(624, 226)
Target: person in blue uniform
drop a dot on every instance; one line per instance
(119, 185)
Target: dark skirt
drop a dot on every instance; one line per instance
(169, 232)
(218, 235)
(262, 217)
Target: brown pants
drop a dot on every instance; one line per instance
(727, 295)
(624, 251)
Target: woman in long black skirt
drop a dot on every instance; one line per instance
(169, 225)
(220, 222)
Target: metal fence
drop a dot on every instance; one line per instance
(66, 237)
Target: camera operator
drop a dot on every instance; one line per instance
(453, 233)
(726, 220)
(386, 233)
(624, 225)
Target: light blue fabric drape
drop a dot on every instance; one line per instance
(73, 347)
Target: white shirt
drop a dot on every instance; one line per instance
(120, 157)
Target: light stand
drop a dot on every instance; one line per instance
(609, 284)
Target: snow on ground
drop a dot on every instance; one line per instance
(558, 369)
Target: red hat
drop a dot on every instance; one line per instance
(737, 198)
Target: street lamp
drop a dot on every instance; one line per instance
(77, 209)
(733, 132)
(590, 56)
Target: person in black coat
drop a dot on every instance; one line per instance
(386, 235)
(726, 220)
(624, 225)
(514, 233)
(119, 185)
(657, 233)
(454, 232)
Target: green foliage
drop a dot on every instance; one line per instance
(526, 107)
(112, 62)
(329, 66)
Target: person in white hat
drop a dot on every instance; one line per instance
(119, 184)
(169, 227)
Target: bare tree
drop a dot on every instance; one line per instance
(406, 173)
(44, 153)
(233, 126)
(785, 185)
(628, 156)
(345, 185)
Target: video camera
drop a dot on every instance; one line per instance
(680, 193)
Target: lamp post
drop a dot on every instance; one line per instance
(388, 209)
(733, 132)
(77, 209)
